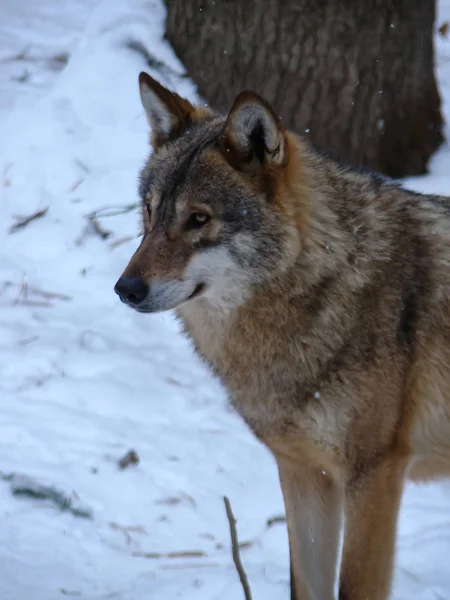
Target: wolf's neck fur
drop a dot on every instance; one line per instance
(321, 263)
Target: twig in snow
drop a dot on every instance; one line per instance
(152, 61)
(82, 166)
(103, 233)
(22, 485)
(181, 554)
(20, 56)
(444, 29)
(22, 290)
(275, 520)
(25, 291)
(6, 180)
(37, 303)
(93, 226)
(127, 531)
(21, 78)
(190, 566)
(120, 241)
(29, 340)
(48, 295)
(112, 211)
(130, 458)
(246, 544)
(76, 184)
(173, 500)
(235, 550)
(24, 221)
(61, 59)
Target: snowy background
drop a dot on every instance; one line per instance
(83, 379)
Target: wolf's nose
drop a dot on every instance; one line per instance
(131, 290)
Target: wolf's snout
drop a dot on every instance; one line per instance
(131, 290)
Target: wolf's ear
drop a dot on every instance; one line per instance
(254, 136)
(168, 114)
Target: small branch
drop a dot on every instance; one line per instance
(25, 76)
(93, 227)
(24, 221)
(48, 295)
(6, 180)
(275, 520)
(174, 500)
(76, 184)
(22, 485)
(444, 29)
(127, 531)
(20, 56)
(26, 293)
(120, 241)
(112, 211)
(60, 59)
(24, 56)
(36, 303)
(29, 340)
(82, 166)
(190, 566)
(98, 229)
(130, 458)
(152, 61)
(182, 554)
(235, 550)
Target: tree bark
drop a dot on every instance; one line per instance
(355, 77)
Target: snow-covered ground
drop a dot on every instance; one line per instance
(83, 379)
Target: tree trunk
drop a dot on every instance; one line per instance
(355, 77)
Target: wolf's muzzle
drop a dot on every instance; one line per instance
(131, 290)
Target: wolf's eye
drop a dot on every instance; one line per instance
(196, 220)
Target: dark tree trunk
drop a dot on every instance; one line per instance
(355, 77)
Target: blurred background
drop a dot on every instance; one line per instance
(116, 444)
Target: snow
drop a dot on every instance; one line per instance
(83, 379)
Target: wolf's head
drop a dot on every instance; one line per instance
(215, 224)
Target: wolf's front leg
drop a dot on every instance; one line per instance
(313, 494)
(370, 529)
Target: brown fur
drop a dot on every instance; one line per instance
(337, 352)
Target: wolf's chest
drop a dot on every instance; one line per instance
(267, 382)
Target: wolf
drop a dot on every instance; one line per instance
(320, 296)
